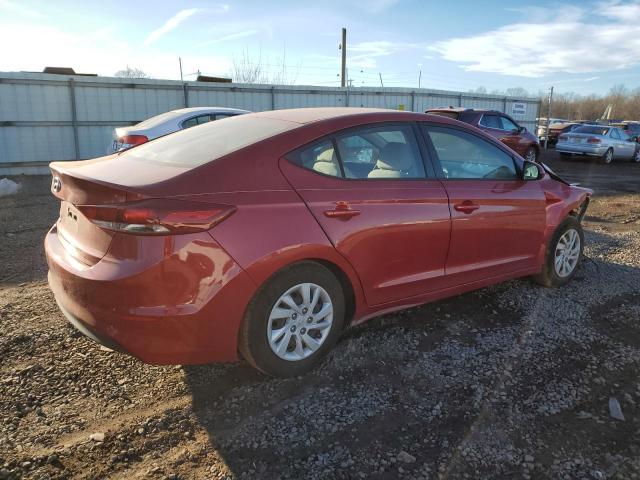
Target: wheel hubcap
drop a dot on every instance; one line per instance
(291, 334)
(567, 253)
(609, 157)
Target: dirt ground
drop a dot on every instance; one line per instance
(512, 381)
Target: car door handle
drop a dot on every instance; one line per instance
(466, 207)
(342, 210)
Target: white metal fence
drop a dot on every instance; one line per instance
(47, 117)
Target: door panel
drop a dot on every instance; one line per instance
(497, 219)
(398, 238)
(503, 234)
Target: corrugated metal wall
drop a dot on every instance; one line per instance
(52, 117)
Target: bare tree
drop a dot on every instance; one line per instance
(249, 69)
(131, 73)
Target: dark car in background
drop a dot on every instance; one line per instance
(499, 125)
(558, 129)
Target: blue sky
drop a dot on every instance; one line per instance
(584, 47)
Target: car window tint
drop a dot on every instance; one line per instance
(191, 122)
(203, 119)
(463, 155)
(320, 157)
(592, 129)
(508, 124)
(380, 152)
(615, 134)
(491, 121)
(220, 116)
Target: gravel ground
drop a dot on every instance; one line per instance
(512, 381)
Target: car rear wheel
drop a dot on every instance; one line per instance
(530, 154)
(563, 254)
(293, 320)
(636, 156)
(607, 158)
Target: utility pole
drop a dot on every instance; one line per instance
(343, 46)
(419, 78)
(180, 62)
(546, 133)
(381, 84)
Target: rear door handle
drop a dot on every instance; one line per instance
(342, 210)
(466, 207)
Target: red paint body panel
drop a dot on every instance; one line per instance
(173, 299)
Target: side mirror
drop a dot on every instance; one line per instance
(531, 171)
(515, 131)
(522, 129)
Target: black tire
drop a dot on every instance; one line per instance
(548, 276)
(531, 154)
(253, 343)
(607, 158)
(636, 156)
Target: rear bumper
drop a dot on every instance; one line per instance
(581, 149)
(182, 308)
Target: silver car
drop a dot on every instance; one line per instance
(602, 141)
(168, 122)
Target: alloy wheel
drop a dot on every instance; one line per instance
(567, 253)
(608, 156)
(636, 157)
(300, 322)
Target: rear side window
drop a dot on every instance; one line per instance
(615, 134)
(379, 152)
(320, 157)
(592, 129)
(465, 156)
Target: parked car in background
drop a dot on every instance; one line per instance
(268, 233)
(630, 128)
(557, 129)
(603, 141)
(168, 122)
(541, 131)
(499, 125)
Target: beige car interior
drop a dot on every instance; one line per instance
(327, 163)
(396, 161)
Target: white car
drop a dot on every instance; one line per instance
(166, 123)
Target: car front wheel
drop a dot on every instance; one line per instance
(563, 254)
(293, 320)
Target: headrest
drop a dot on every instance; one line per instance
(395, 156)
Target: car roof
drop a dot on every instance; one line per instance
(311, 115)
(181, 111)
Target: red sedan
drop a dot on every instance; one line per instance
(268, 233)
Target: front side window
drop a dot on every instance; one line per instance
(491, 121)
(380, 152)
(508, 124)
(465, 156)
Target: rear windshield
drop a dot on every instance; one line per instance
(198, 145)
(592, 130)
(158, 119)
(453, 115)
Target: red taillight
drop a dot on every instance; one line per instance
(128, 141)
(157, 216)
(593, 140)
